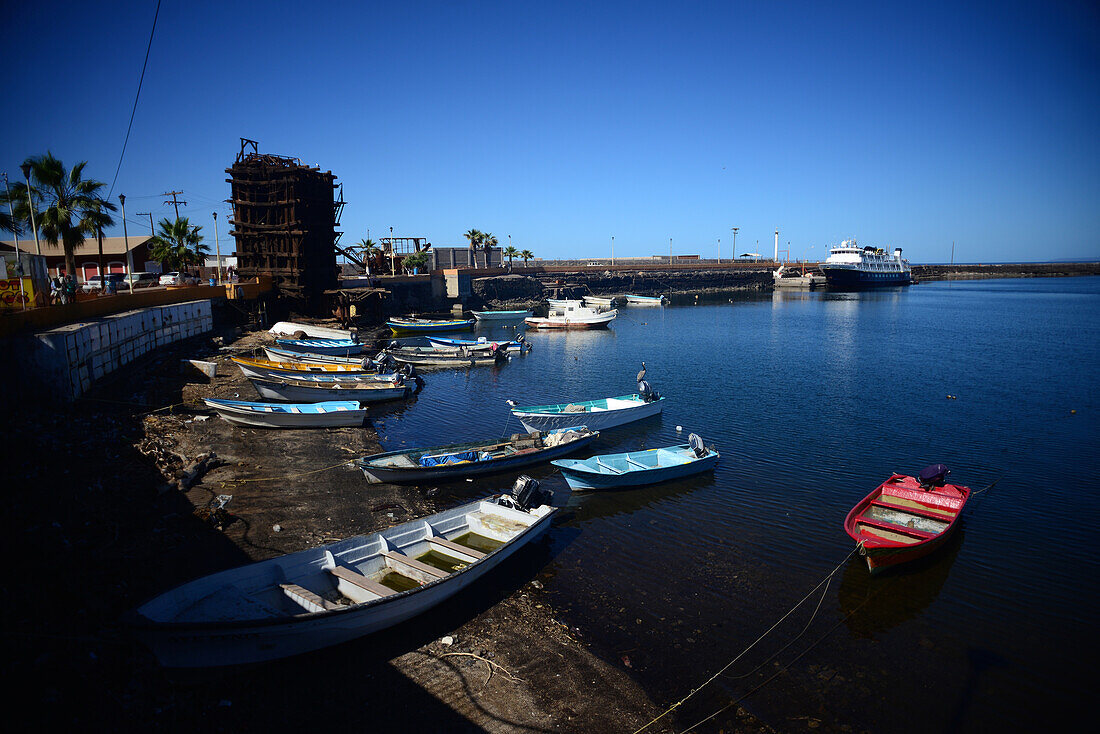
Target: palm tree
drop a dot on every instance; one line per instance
(370, 250)
(510, 252)
(488, 242)
(93, 222)
(61, 201)
(526, 255)
(177, 244)
(474, 236)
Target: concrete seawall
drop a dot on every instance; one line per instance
(64, 362)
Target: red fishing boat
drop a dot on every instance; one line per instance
(906, 517)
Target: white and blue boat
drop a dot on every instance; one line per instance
(520, 344)
(337, 592)
(850, 266)
(633, 300)
(599, 414)
(638, 468)
(276, 354)
(334, 347)
(455, 461)
(305, 391)
(331, 414)
(400, 324)
(500, 315)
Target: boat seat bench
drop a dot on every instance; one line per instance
(401, 560)
(354, 577)
(452, 546)
(307, 599)
(925, 512)
(899, 529)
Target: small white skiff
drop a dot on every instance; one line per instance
(337, 592)
(290, 415)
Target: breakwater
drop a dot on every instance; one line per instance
(971, 271)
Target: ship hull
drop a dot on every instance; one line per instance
(852, 279)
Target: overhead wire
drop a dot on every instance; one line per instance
(137, 95)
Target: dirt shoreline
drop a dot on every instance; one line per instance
(101, 533)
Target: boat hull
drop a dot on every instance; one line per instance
(597, 421)
(853, 279)
(398, 326)
(267, 373)
(580, 479)
(600, 321)
(449, 472)
(191, 645)
(330, 347)
(645, 300)
(319, 392)
(281, 417)
(485, 346)
(286, 355)
(500, 315)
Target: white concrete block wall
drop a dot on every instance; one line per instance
(70, 358)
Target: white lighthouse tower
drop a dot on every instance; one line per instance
(777, 244)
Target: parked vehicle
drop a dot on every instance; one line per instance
(141, 280)
(177, 278)
(95, 282)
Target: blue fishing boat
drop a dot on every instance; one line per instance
(415, 325)
(634, 300)
(454, 461)
(637, 468)
(335, 347)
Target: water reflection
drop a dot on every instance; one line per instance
(879, 603)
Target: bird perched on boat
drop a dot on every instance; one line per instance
(641, 375)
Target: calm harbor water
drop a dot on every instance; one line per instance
(813, 399)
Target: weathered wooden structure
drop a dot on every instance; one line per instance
(284, 221)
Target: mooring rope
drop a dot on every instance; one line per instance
(727, 666)
(235, 482)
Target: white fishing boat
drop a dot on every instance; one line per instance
(600, 301)
(633, 300)
(443, 356)
(304, 391)
(518, 345)
(334, 347)
(287, 355)
(598, 415)
(786, 277)
(572, 315)
(500, 315)
(331, 414)
(310, 331)
(337, 592)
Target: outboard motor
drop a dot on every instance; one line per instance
(408, 370)
(648, 393)
(696, 444)
(526, 493)
(933, 476)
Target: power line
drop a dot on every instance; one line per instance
(136, 96)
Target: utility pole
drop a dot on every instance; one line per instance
(670, 252)
(12, 213)
(719, 250)
(26, 169)
(173, 202)
(217, 248)
(612, 249)
(152, 232)
(734, 253)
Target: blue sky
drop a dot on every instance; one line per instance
(562, 124)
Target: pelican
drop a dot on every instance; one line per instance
(641, 375)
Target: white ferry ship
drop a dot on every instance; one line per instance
(852, 266)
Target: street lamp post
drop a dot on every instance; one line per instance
(719, 250)
(613, 250)
(393, 261)
(734, 253)
(26, 168)
(126, 239)
(217, 248)
(670, 252)
(18, 254)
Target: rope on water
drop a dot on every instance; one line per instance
(704, 684)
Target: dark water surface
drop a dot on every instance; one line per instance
(813, 399)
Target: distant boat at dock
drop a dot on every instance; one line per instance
(500, 315)
(572, 314)
(787, 277)
(411, 324)
(634, 300)
(852, 267)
